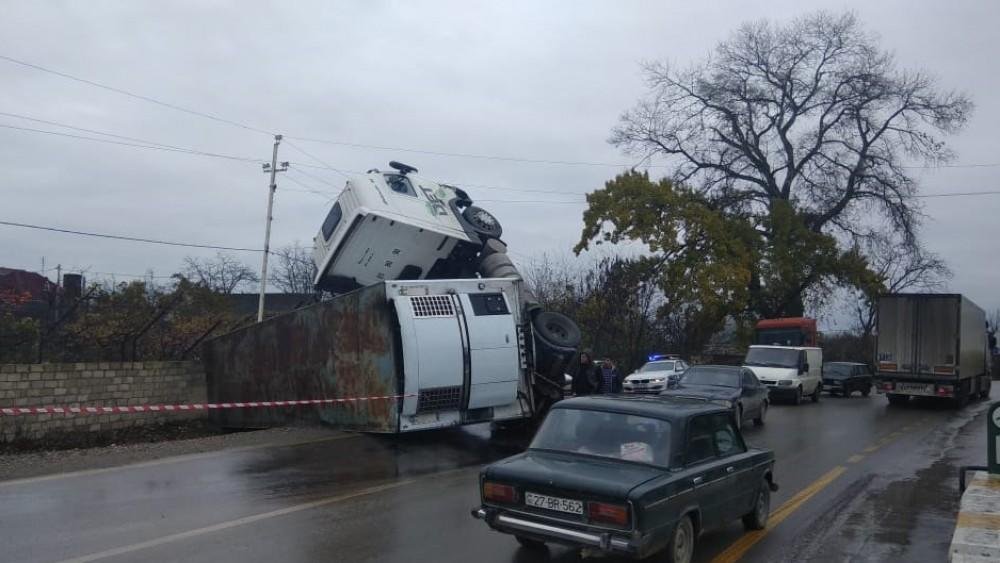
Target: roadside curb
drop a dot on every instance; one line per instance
(977, 531)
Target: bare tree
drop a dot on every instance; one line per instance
(814, 114)
(224, 273)
(294, 269)
(901, 268)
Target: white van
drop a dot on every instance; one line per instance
(397, 225)
(791, 372)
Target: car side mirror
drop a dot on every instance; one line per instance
(804, 368)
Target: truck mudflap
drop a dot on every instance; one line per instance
(342, 348)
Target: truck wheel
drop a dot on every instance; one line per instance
(529, 543)
(757, 520)
(482, 221)
(816, 392)
(797, 400)
(897, 400)
(681, 546)
(866, 391)
(985, 393)
(556, 329)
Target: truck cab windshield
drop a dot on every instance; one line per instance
(772, 357)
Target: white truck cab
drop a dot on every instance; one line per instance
(790, 372)
(397, 225)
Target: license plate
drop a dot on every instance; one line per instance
(916, 388)
(553, 503)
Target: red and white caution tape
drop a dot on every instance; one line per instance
(13, 411)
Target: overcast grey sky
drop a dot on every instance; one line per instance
(541, 80)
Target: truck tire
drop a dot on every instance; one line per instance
(556, 329)
(817, 391)
(483, 222)
(897, 400)
(985, 393)
(797, 399)
(529, 543)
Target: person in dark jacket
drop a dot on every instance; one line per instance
(611, 381)
(586, 379)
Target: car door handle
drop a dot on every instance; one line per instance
(697, 480)
(730, 469)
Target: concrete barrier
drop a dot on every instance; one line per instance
(977, 532)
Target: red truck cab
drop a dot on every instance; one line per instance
(789, 331)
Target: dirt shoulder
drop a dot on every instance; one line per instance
(20, 465)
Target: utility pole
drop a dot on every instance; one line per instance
(273, 170)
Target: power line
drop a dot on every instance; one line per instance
(308, 189)
(380, 147)
(137, 96)
(127, 238)
(317, 159)
(149, 145)
(959, 194)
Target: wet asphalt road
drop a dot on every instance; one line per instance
(859, 481)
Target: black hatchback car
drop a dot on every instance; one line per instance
(631, 475)
(844, 378)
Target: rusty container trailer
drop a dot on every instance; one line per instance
(450, 352)
(345, 347)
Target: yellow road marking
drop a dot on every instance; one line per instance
(739, 548)
(855, 458)
(871, 449)
(165, 460)
(993, 484)
(974, 520)
(233, 523)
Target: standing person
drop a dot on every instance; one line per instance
(610, 382)
(585, 379)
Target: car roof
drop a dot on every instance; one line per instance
(655, 406)
(846, 363)
(717, 366)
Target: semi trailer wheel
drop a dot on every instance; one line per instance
(482, 221)
(556, 329)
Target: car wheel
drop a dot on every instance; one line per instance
(681, 546)
(759, 421)
(529, 543)
(816, 393)
(797, 400)
(867, 390)
(757, 519)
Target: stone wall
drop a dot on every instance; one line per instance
(95, 384)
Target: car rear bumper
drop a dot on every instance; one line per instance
(544, 531)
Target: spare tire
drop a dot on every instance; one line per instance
(482, 222)
(556, 330)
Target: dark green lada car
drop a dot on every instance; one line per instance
(631, 475)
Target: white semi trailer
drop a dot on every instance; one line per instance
(931, 345)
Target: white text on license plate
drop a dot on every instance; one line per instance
(553, 503)
(916, 388)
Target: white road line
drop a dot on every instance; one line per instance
(232, 523)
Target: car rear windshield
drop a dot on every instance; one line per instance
(657, 366)
(837, 369)
(606, 434)
(712, 376)
(772, 357)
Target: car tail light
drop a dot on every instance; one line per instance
(608, 513)
(945, 391)
(495, 492)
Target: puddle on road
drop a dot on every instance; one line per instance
(328, 467)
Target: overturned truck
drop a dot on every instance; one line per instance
(430, 326)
